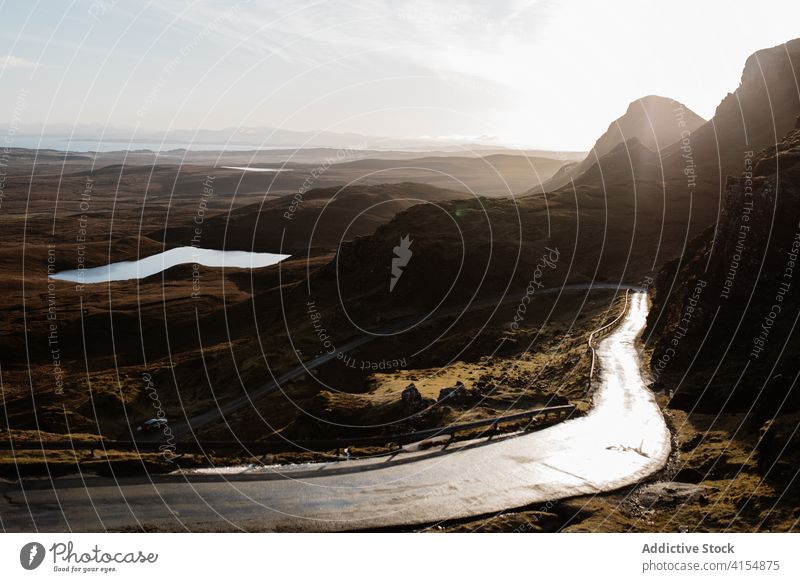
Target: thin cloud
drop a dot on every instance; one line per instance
(12, 62)
(492, 43)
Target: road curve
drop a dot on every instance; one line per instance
(622, 440)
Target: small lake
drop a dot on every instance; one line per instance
(252, 169)
(142, 268)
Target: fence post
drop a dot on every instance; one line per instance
(602, 331)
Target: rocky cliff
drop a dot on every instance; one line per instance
(724, 322)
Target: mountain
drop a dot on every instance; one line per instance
(653, 120)
(656, 122)
(756, 115)
(685, 185)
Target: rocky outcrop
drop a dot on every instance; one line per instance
(411, 399)
(670, 494)
(723, 324)
(454, 394)
(756, 115)
(761, 110)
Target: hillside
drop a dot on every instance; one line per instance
(723, 348)
(732, 301)
(320, 218)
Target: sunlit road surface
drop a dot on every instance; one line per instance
(622, 440)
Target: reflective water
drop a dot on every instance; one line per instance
(249, 169)
(142, 268)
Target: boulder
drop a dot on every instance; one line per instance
(671, 493)
(454, 394)
(411, 398)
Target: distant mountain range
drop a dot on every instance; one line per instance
(95, 137)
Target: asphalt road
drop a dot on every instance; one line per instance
(622, 440)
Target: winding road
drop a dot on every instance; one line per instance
(622, 440)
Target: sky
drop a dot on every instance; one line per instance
(542, 74)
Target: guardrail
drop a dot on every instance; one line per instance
(603, 331)
(266, 447)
